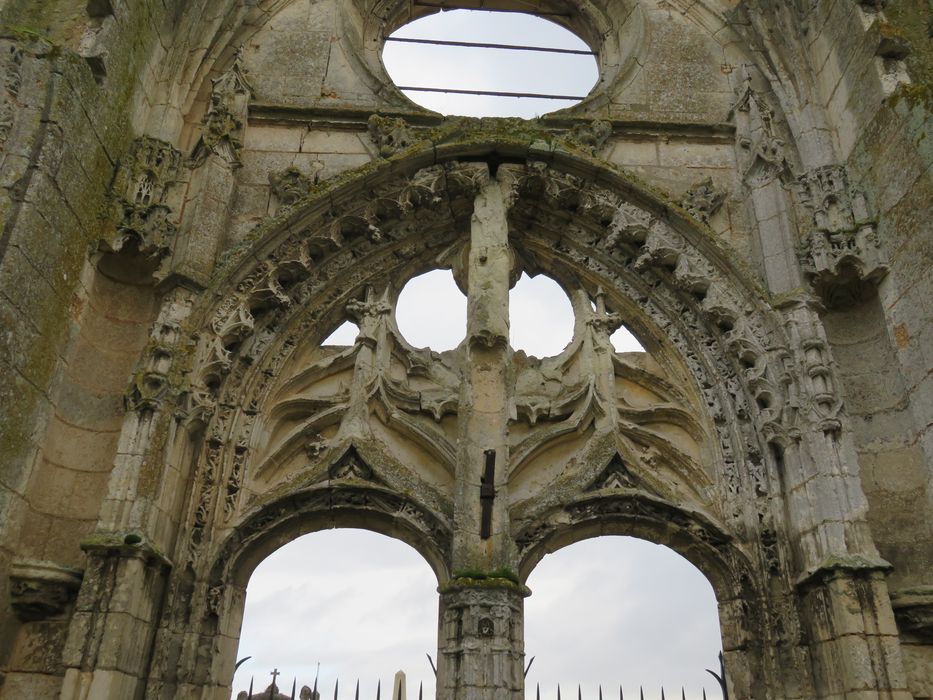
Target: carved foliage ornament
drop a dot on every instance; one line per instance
(289, 186)
(141, 190)
(703, 200)
(226, 114)
(390, 135)
(842, 244)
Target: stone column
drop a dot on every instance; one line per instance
(481, 640)
(481, 648)
(113, 627)
(845, 604)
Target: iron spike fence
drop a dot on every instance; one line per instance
(399, 691)
(273, 693)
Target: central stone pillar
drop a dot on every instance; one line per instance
(481, 646)
(481, 640)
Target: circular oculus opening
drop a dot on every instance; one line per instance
(455, 62)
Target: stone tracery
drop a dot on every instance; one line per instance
(730, 440)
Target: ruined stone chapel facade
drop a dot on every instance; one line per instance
(195, 193)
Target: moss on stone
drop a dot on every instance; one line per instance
(911, 21)
(504, 579)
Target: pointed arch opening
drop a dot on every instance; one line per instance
(339, 605)
(641, 615)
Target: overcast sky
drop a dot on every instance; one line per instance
(608, 611)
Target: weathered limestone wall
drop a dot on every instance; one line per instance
(69, 336)
(751, 182)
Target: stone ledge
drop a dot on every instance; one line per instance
(842, 565)
(128, 545)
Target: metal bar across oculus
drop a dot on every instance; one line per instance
(473, 8)
(480, 45)
(493, 93)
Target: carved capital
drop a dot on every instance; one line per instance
(39, 590)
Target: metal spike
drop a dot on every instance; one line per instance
(558, 691)
(356, 695)
(316, 675)
(621, 696)
(294, 686)
(421, 690)
(641, 691)
(398, 691)
(600, 691)
(336, 686)
(704, 693)
(250, 694)
(683, 693)
(579, 692)
(378, 689)
(538, 691)
(662, 693)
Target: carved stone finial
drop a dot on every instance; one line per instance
(703, 200)
(226, 114)
(757, 135)
(390, 135)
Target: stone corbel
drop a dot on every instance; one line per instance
(40, 590)
(913, 610)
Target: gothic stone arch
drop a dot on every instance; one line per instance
(702, 446)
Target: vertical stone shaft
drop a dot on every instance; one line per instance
(481, 644)
(484, 396)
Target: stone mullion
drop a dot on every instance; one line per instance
(484, 404)
(481, 649)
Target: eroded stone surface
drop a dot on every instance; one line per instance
(195, 194)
